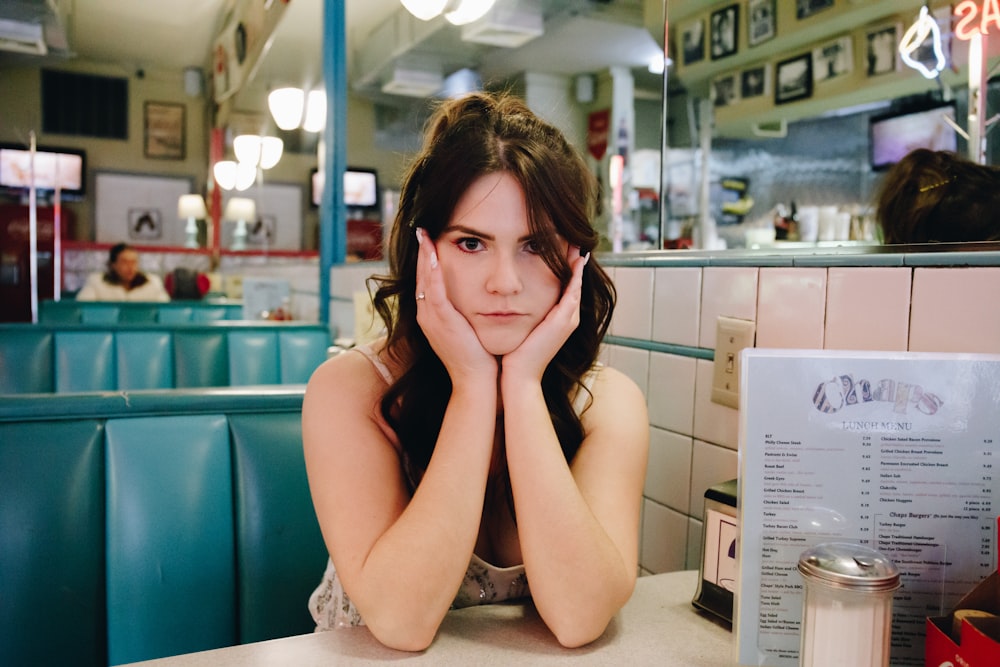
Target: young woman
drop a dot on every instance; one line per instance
(479, 452)
(123, 281)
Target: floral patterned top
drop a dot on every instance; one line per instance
(484, 583)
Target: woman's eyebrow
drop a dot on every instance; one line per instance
(462, 229)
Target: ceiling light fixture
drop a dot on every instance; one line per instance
(291, 108)
(231, 175)
(258, 151)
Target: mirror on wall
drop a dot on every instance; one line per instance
(782, 117)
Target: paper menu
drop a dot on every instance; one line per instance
(895, 451)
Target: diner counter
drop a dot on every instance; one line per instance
(658, 626)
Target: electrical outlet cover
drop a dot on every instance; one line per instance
(732, 336)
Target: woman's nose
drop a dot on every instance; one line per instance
(504, 276)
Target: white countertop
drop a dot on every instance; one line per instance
(658, 626)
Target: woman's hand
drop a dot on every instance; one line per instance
(449, 333)
(532, 356)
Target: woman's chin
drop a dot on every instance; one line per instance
(500, 345)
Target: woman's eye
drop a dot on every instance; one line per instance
(532, 247)
(470, 244)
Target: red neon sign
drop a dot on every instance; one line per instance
(976, 18)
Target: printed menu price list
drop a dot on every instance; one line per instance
(891, 452)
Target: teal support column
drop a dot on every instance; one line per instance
(332, 212)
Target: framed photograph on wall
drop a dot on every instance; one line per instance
(723, 31)
(139, 208)
(163, 134)
(693, 42)
(833, 59)
(724, 90)
(794, 79)
(806, 8)
(880, 50)
(755, 82)
(760, 22)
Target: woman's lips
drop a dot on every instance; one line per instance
(502, 316)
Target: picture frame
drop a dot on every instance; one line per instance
(755, 82)
(794, 79)
(807, 8)
(139, 208)
(833, 59)
(145, 225)
(761, 21)
(723, 33)
(163, 130)
(693, 42)
(725, 90)
(880, 49)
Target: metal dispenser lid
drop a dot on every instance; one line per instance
(849, 566)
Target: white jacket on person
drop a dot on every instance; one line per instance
(97, 288)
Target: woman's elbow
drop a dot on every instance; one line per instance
(579, 627)
(576, 634)
(404, 634)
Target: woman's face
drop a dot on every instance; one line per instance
(126, 265)
(493, 274)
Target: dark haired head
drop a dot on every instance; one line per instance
(938, 196)
(116, 250)
(467, 138)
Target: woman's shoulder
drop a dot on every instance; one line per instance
(355, 373)
(347, 386)
(609, 380)
(614, 397)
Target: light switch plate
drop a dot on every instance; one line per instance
(732, 335)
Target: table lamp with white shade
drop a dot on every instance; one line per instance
(240, 209)
(191, 207)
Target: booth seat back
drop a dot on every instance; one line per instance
(68, 311)
(150, 524)
(79, 358)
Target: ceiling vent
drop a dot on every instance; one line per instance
(505, 26)
(413, 81)
(22, 37)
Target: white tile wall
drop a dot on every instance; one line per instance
(791, 307)
(664, 539)
(867, 308)
(631, 361)
(713, 422)
(668, 473)
(956, 310)
(726, 290)
(633, 316)
(710, 465)
(677, 305)
(671, 392)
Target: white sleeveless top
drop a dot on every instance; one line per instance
(484, 583)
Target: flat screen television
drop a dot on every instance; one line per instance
(63, 166)
(891, 136)
(360, 189)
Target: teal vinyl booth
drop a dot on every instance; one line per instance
(68, 311)
(65, 358)
(152, 523)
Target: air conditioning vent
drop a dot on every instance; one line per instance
(22, 37)
(506, 27)
(413, 82)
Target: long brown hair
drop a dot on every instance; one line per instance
(938, 196)
(465, 139)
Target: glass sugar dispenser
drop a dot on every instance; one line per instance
(847, 606)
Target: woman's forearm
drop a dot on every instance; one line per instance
(410, 577)
(578, 575)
